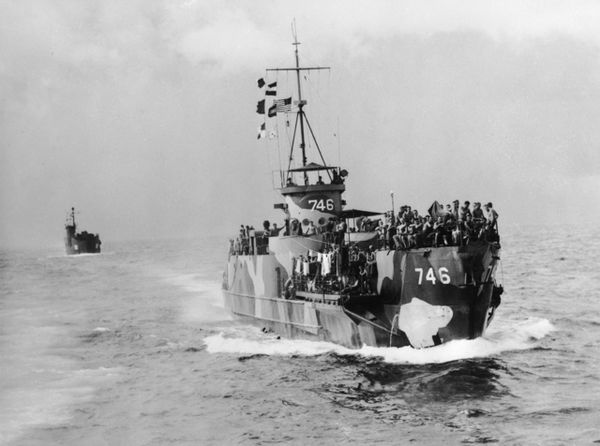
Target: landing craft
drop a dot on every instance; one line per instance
(317, 279)
(79, 243)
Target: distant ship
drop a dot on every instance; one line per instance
(80, 243)
(316, 278)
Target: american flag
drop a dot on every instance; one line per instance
(283, 105)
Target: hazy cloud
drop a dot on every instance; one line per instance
(142, 112)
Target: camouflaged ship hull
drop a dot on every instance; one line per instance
(424, 297)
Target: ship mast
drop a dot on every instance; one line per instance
(300, 103)
(301, 116)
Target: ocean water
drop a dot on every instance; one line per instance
(133, 347)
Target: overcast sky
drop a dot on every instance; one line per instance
(141, 114)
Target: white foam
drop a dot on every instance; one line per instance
(83, 255)
(520, 335)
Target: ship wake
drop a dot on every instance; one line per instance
(510, 336)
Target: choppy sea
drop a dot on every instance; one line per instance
(133, 347)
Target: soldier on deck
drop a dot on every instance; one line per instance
(381, 229)
(391, 235)
(295, 227)
(467, 229)
(457, 233)
(448, 214)
(275, 230)
(329, 228)
(371, 262)
(427, 232)
(363, 279)
(478, 220)
(415, 215)
(465, 210)
(418, 231)
(450, 227)
(399, 241)
(439, 231)
(492, 215)
(491, 227)
(267, 228)
(353, 261)
(340, 232)
(311, 229)
(411, 241)
(336, 179)
(407, 216)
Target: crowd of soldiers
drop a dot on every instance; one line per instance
(332, 229)
(452, 225)
(346, 268)
(240, 245)
(350, 268)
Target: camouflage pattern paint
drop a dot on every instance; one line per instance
(424, 296)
